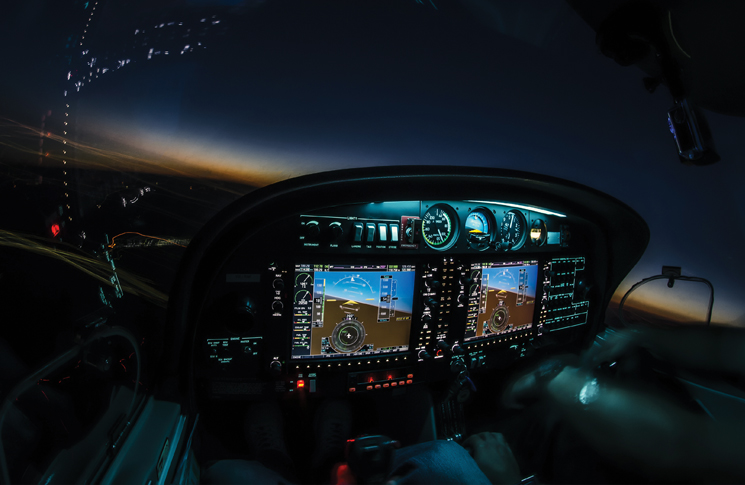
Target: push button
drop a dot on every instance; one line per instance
(383, 232)
(394, 232)
(370, 232)
(358, 228)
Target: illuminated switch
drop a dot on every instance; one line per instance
(312, 386)
(401, 383)
(410, 376)
(394, 384)
(394, 232)
(300, 384)
(370, 232)
(386, 385)
(357, 231)
(377, 386)
(409, 381)
(383, 232)
(352, 389)
(369, 388)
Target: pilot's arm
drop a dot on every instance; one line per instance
(719, 349)
(649, 433)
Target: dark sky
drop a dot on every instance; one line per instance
(294, 87)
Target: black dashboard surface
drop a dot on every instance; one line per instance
(371, 280)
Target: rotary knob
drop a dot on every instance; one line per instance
(432, 283)
(312, 229)
(431, 303)
(424, 355)
(336, 231)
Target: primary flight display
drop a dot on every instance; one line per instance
(343, 310)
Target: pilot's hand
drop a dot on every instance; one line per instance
(494, 457)
(612, 346)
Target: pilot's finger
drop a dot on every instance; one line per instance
(470, 442)
(475, 442)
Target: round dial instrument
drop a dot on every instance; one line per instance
(538, 232)
(480, 226)
(440, 226)
(514, 230)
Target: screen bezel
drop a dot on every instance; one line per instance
(531, 327)
(414, 326)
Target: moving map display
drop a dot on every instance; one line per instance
(501, 298)
(343, 310)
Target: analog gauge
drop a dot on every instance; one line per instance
(440, 227)
(480, 227)
(514, 230)
(538, 232)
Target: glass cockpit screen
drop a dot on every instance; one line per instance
(347, 310)
(501, 298)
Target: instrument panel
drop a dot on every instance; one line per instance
(435, 226)
(360, 298)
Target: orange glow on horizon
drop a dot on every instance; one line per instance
(187, 159)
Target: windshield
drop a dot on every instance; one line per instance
(127, 125)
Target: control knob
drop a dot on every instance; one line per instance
(431, 283)
(336, 230)
(431, 303)
(275, 368)
(312, 229)
(424, 355)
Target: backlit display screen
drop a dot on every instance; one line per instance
(350, 310)
(501, 298)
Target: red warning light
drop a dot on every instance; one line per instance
(300, 384)
(390, 377)
(370, 380)
(55, 229)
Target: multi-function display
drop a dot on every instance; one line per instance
(501, 298)
(346, 310)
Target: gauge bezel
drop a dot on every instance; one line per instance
(454, 225)
(493, 228)
(523, 237)
(539, 224)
